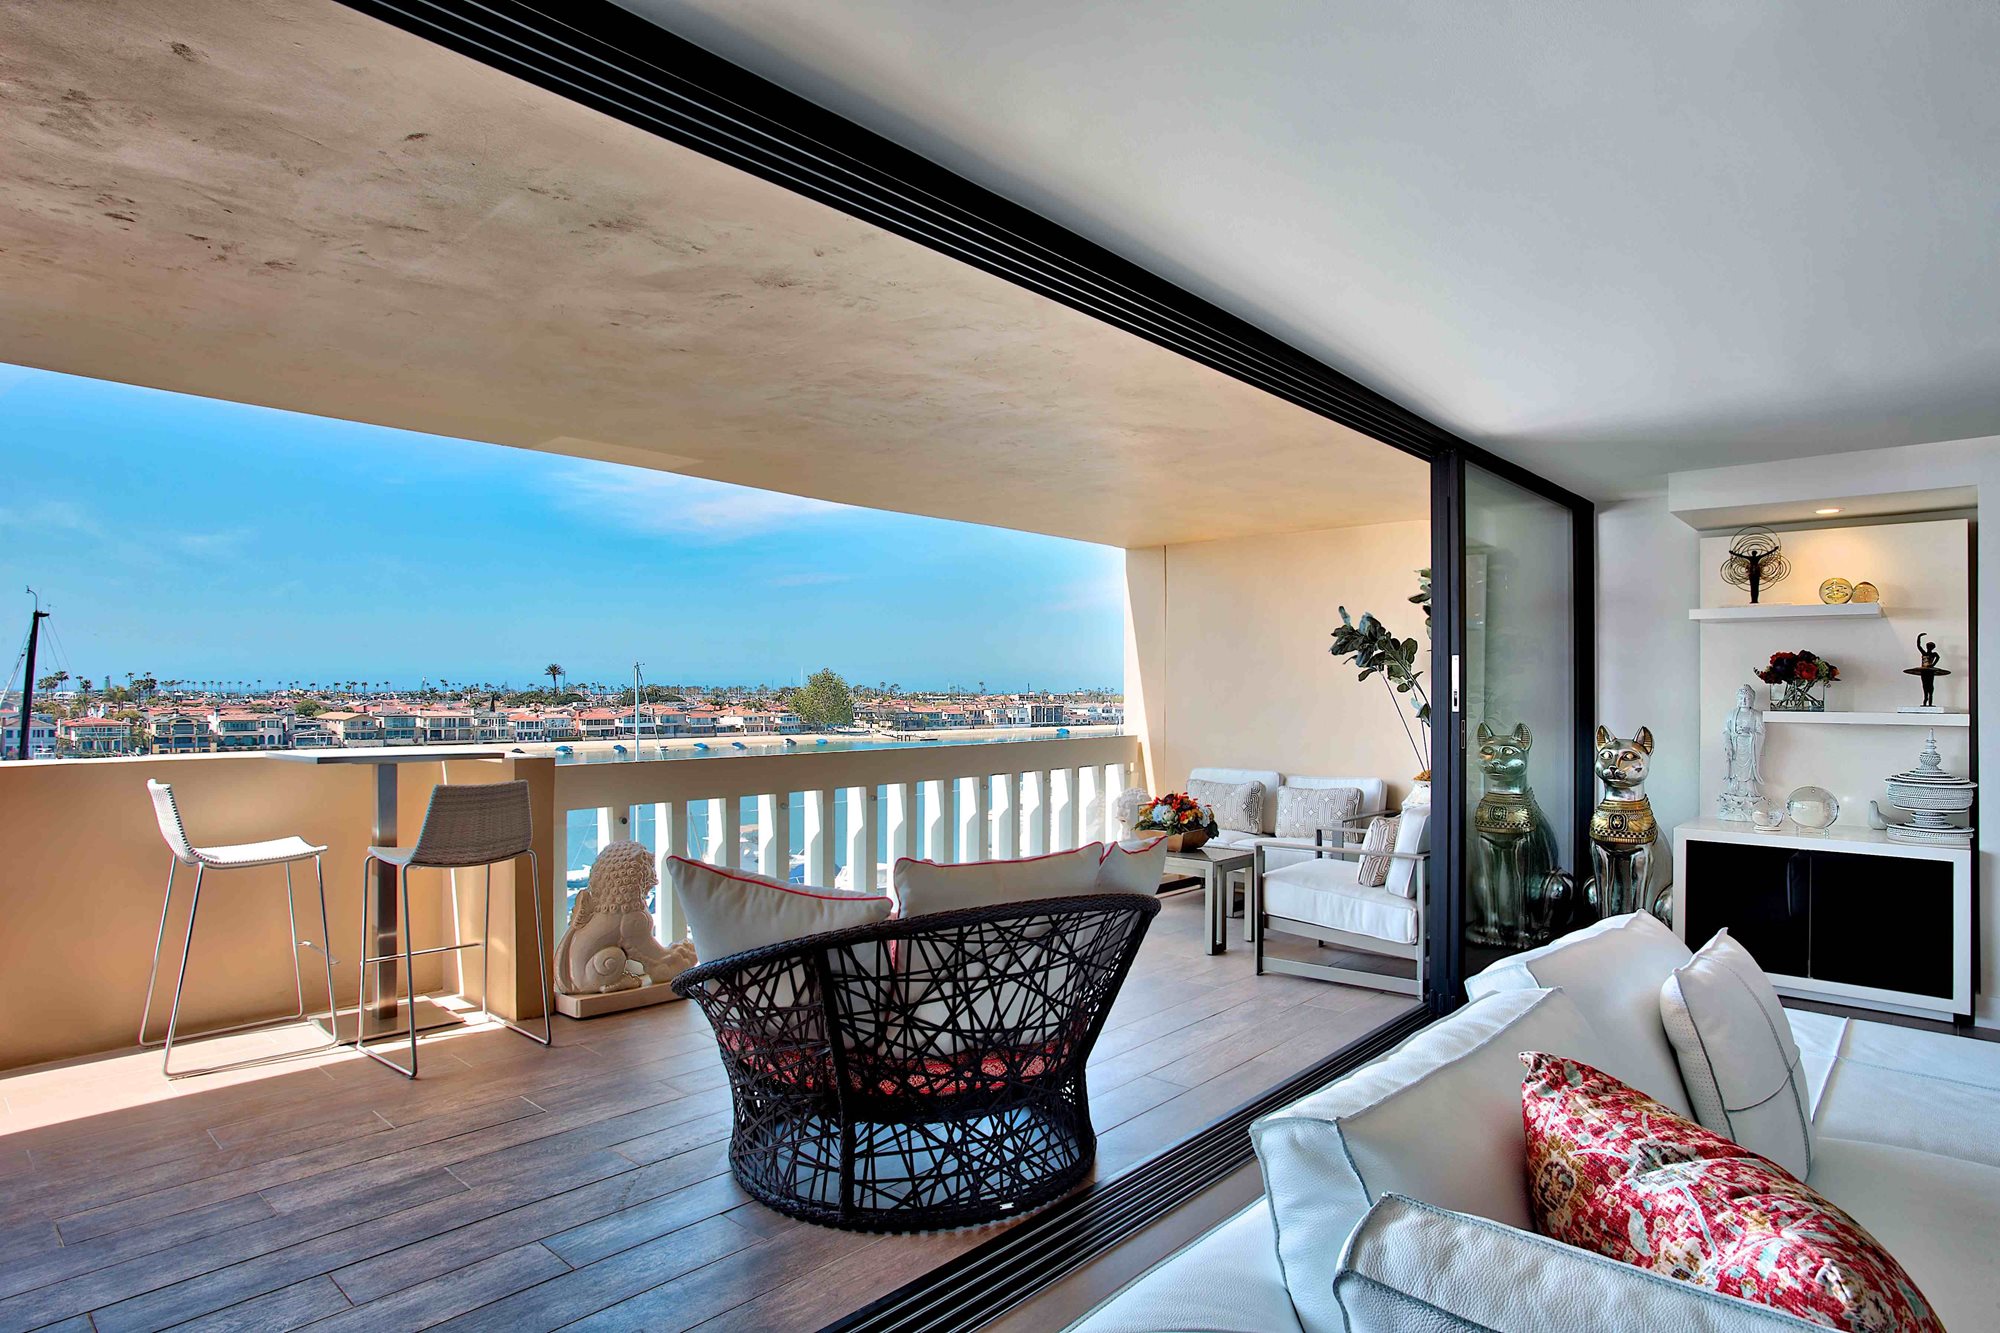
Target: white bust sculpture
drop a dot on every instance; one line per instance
(610, 944)
(1125, 808)
(1743, 753)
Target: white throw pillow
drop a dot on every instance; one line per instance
(1438, 1118)
(729, 911)
(1412, 1265)
(1413, 835)
(1614, 971)
(1737, 1055)
(923, 887)
(1381, 837)
(1303, 811)
(1133, 867)
(1237, 805)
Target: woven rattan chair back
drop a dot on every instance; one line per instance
(168, 812)
(921, 1073)
(475, 826)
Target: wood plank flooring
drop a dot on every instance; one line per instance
(584, 1186)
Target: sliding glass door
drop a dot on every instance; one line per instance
(1513, 763)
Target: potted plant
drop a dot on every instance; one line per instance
(1186, 822)
(1373, 647)
(1798, 681)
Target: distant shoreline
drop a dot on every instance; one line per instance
(725, 742)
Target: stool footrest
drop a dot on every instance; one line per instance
(419, 953)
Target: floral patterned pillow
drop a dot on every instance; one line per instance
(1612, 1171)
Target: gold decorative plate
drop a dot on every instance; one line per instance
(1867, 592)
(1836, 592)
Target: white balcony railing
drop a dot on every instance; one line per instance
(859, 810)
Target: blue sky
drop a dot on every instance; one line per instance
(192, 538)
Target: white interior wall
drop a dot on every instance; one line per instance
(1643, 655)
(1648, 651)
(1227, 651)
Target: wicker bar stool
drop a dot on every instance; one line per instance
(464, 826)
(234, 856)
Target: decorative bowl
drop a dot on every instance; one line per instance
(1186, 842)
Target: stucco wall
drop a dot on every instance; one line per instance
(85, 865)
(1227, 648)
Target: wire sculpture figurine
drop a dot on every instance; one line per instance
(1755, 561)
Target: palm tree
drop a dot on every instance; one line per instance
(554, 672)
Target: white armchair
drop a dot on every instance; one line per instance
(1317, 894)
(1374, 801)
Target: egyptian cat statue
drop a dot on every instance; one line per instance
(1518, 892)
(1631, 866)
(610, 945)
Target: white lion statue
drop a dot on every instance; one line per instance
(610, 944)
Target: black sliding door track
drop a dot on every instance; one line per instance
(987, 1281)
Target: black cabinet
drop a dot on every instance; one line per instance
(1847, 918)
(1760, 895)
(1883, 923)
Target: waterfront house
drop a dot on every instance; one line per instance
(41, 734)
(350, 729)
(175, 732)
(94, 735)
(600, 724)
(400, 725)
(447, 726)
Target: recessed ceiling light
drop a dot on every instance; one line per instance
(1826, 511)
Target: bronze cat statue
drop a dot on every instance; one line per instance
(1632, 868)
(1518, 894)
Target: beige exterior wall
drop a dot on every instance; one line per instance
(1227, 657)
(85, 865)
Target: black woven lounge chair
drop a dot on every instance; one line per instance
(920, 1074)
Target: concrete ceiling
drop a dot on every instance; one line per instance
(290, 204)
(1608, 241)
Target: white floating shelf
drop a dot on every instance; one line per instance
(1873, 719)
(1775, 611)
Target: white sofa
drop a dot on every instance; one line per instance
(1374, 801)
(1395, 1196)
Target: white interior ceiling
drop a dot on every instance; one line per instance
(294, 205)
(1608, 241)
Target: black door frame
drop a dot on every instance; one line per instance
(602, 56)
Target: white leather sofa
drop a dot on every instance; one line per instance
(1395, 1197)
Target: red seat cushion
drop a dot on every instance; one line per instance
(1613, 1171)
(810, 1068)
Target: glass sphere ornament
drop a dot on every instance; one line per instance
(1813, 809)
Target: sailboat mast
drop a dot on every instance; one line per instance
(28, 677)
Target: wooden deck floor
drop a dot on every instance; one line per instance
(521, 1188)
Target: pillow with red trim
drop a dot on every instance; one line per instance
(923, 887)
(1133, 867)
(1612, 1171)
(729, 911)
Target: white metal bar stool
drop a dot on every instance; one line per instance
(236, 856)
(464, 826)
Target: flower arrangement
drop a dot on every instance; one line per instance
(1186, 822)
(1798, 681)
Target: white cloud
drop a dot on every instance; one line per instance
(667, 504)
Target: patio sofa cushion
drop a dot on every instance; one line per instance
(1133, 866)
(1238, 806)
(1738, 1058)
(1614, 971)
(1267, 778)
(1951, 1117)
(1304, 811)
(1413, 1265)
(1438, 1118)
(1227, 1281)
(729, 911)
(1328, 892)
(933, 886)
